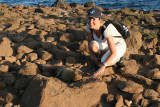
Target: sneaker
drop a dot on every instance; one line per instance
(120, 65)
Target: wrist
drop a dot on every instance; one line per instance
(105, 64)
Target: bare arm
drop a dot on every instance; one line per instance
(110, 58)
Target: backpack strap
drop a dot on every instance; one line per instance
(102, 29)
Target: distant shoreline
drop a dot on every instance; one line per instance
(114, 5)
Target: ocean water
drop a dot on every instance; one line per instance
(145, 5)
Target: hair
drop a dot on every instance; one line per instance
(101, 18)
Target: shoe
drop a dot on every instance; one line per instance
(120, 65)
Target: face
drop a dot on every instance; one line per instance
(94, 23)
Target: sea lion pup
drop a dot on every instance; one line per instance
(68, 74)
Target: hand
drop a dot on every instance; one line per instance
(99, 71)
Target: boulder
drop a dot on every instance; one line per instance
(61, 4)
(28, 68)
(130, 87)
(52, 92)
(24, 49)
(68, 74)
(62, 54)
(151, 94)
(134, 42)
(152, 61)
(154, 74)
(44, 55)
(4, 68)
(5, 47)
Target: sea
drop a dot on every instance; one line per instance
(145, 5)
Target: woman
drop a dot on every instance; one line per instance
(104, 51)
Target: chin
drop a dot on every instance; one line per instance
(92, 27)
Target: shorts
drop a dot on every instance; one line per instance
(120, 47)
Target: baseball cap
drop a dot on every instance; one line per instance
(94, 12)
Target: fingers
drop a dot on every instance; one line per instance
(98, 72)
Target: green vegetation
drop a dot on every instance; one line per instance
(150, 34)
(54, 16)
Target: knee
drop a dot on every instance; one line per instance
(94, 46)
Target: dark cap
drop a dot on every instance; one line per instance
(94, 12)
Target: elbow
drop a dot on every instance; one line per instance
(113, 53)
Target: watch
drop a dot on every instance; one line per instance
(105, 64)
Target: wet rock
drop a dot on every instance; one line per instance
(29, 69)
(130, 87)
(56, 92)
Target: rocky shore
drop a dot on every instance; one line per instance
(44, 59)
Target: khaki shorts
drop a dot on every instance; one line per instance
(120, 47)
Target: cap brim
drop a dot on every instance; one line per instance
(92, 16)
